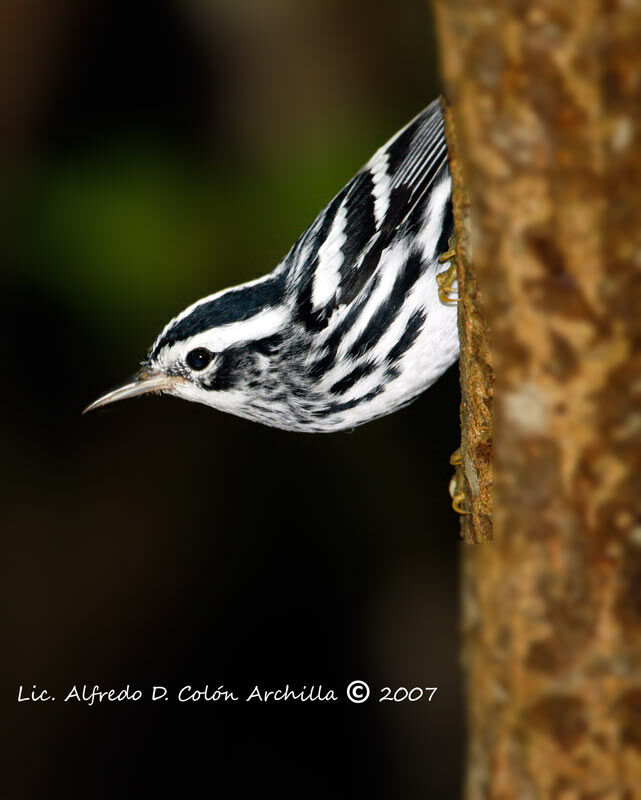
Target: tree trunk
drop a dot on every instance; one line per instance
(547, 102)
(474, 475)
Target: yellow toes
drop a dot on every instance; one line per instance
(456, 458)
(447, 279)
(456, 482)
(451, 252)
(459, 498)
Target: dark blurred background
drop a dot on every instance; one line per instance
(154, 152)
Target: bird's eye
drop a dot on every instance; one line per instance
(199, 358)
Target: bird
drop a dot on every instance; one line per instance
(350, 326)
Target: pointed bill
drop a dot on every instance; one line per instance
(143, 383)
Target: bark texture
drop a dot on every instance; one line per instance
(474, 477)
(547, 102)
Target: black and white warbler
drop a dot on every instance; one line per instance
(349, 326)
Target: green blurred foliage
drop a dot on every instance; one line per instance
(127, 234)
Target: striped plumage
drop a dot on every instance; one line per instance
(349, 326)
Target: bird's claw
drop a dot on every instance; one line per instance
(447, 279)
(451, 252)
(456, 483)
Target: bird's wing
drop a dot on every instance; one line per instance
(337, 258)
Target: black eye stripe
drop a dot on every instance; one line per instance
(199, 358)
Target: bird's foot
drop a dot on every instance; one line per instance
(447, 279)
(456, 483)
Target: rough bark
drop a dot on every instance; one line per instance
(474, 476)
(547, 101)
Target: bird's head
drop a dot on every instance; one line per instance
(218, 351)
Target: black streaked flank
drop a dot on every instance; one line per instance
(382, 318)
(320, 367)
(355, 281)
(336, 408)
(233, 306)
(323, 364)
(346, 383)
(314, 320)
(411, 332)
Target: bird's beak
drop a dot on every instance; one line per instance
(145, 381)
